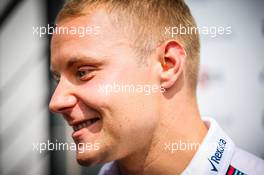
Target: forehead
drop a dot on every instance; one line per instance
(89, 34)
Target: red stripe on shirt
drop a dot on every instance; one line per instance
(230, 170)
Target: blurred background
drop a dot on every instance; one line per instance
(231, 85)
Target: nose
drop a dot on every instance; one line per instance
(62, 99)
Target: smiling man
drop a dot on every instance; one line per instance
(160, 133)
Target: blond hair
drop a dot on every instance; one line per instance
(146, 21)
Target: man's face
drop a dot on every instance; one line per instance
(120, 122)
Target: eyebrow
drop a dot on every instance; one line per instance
(74, 60)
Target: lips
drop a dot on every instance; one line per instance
(84, 124)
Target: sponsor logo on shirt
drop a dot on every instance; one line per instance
(216, 158)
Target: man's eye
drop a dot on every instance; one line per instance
(82, 73)
(85, 73)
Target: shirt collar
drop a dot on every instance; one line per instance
(214, 154)
(110, 168)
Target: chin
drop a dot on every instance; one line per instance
(88, 158)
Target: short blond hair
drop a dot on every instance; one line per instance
(146, 21)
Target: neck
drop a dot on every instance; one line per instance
(167, 154)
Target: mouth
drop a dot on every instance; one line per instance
(85, 123)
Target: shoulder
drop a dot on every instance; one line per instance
(247, 162)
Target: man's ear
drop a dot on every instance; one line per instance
(172, 59)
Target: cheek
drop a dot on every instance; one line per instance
(133, 117)
(126, 112)
(127, 117)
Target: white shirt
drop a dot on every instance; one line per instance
(216, 155)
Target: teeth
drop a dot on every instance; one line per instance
(82, 125)
(88, 122)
